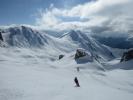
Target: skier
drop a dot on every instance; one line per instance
(77, 69)
(76, 81)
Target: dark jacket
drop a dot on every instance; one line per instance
(76, 81)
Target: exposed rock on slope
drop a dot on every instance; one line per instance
(80, 53)
(61, 56)
(83, 56)
(88, 43)
(127, 55)
(1, 38)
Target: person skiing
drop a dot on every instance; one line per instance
(76, 81)
(77, 69)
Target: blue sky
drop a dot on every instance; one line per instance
(23, 11)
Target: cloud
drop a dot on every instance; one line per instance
(116, 14)
(47, 18)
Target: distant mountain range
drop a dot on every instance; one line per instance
(22, 36)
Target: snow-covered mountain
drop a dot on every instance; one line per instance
(121, 41)
(22, 36)
(88, 43)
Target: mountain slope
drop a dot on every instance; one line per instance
(22, 36)
(28, 74)
(88, 43)
(121, 41)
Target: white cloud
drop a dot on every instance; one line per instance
(47, 18)
(95, 13)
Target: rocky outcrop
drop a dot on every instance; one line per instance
(1, 38)
(82, 56)
(80, 53)
(127, 55)
(61, 56)
(2, 43)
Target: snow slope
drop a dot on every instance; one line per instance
(128, 65)
(31, 75)
(35, 73)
